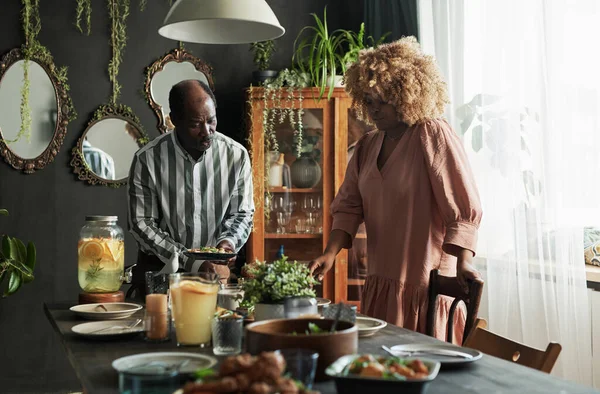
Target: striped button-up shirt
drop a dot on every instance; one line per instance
(177, 203)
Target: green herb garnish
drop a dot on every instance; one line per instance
(203, 374)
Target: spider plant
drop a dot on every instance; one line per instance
(319, 53)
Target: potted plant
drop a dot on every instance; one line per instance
(268, 284)
(16, 262)
(319, 53)
(263, 51)
(356, 43)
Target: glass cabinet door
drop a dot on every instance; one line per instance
(294, 200)
(352, 272)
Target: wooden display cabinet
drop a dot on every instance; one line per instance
(335, 129)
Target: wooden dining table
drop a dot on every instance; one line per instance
(92, 359)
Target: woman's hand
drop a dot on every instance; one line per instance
(319, 266)
(465, 271)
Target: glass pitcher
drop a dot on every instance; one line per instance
(101, 255)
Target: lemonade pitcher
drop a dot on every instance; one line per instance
(101, 255)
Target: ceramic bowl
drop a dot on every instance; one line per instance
(271, 335)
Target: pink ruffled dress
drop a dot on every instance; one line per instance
(423, 198)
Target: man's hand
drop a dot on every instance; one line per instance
(218, 267)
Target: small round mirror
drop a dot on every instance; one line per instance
(105, 151)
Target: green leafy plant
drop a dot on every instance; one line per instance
(272, 282)
(84, 6)
(263, 51)
(319, 53)
(16, 262)
(119, 11)
(356, 42)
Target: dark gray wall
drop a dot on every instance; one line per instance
(49, 206)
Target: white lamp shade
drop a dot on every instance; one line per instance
(221, 22)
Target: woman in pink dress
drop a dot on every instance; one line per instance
(410, 182)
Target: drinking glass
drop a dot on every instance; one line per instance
(157, 283)
(227, 335)
(283, 207)
(230, 296)
(301, 364)
(194, 301)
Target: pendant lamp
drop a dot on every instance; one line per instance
(221, 22)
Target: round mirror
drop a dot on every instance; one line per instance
(39, 143)
(105, 151)
(108, 147)
(176, 66)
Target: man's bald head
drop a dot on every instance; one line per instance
(179, 93)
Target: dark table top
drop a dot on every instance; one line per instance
(92, 360)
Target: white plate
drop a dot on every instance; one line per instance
(431, 351)
(368, 326)
(108, 329)
(114, 310)
(196, 361)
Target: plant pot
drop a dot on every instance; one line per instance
(258, 77)
(306, 172)
(338, 81)
(268, 312)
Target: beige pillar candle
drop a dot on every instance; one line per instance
(156, 303)
(157, 318)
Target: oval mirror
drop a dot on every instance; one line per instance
(49, 106)
(176, 66)
(105, 151)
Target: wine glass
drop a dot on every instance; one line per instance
(282, 206)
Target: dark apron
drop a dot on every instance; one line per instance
(145, 263)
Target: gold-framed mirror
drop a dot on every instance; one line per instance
(177, 65)
(104, 152)
(49, 107)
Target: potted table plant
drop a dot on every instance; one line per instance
(16, 262)
(268, 284)
(263, 51)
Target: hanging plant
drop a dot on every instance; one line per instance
(84, 7)
(119, 11)
(282, 100)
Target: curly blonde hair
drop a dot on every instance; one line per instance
(403, 76)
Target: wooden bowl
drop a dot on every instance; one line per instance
(271, 335)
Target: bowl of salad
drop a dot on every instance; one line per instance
(382, 374)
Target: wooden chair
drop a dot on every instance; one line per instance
(494, 345)
(448, 286)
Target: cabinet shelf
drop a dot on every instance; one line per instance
(292, 236)
(293, 190)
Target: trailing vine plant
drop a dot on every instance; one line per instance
(119, 11)
(282, 100)
(84, 7)
(33, 49)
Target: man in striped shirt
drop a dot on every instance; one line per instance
(189, 188)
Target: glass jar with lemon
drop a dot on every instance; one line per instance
(101, 255)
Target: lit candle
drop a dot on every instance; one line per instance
(156, 303)
(157, 318)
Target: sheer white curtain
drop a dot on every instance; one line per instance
(524, 80)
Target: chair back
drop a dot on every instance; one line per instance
(448, 286)
(495, 345)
